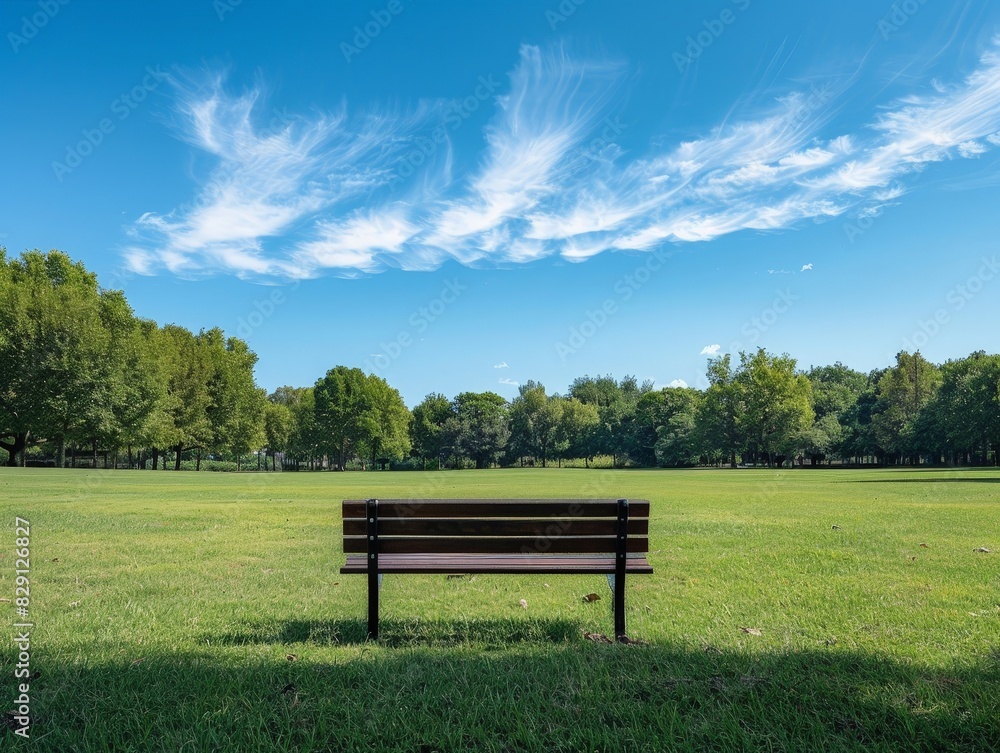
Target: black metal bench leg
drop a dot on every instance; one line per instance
(371, 512)
(620, 562)
(620, 607)
(373, 604)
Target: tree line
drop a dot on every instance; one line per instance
(81, 374)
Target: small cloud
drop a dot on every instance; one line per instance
(511, 382)
(806, 268)
(778, 272)
(678, 384)
(994, 138)
(969, 149)
(502, 365)
(710, 350)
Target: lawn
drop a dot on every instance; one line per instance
(205, 612)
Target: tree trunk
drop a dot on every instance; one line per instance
(177, 461)
(61, 451)
(72, 456)
(94, 446)
(156, 459)
(14, 448)
(130, 457)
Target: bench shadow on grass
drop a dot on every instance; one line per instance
(541, 697)
(395, 633)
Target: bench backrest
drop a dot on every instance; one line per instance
(496, 526)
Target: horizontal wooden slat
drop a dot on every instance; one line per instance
(513, 564)
(496, 508)
(511, 545)
(551, 527)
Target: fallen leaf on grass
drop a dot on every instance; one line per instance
(6, 601)
(523, 603)
(752, 631)
(836, 528)
(830, 641)
(291, 657)
(982, 549)
(337, 583)
(592, 597)
(924, 546)
(74, 603)
(546, 585)
(56, 559)
(138, 661)
(597, 638)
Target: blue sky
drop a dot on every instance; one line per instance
(464, 196)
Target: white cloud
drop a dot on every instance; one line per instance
(970, 149)
(678, 383)
(501, 365)
(511, 382)
(806, 267)
(710, 350)
(311, 195)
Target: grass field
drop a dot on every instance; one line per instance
(205, 612)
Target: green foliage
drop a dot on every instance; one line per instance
(480, 427)
(427, 433)
(359, 414)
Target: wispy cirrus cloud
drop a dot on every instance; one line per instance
(310, 197)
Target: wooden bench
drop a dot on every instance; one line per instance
(540, 536)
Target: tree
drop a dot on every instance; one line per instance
(676, 440)
(188, 369)
(479, 429)
(616, 404)
(360, 414)
(68, 363)
(427, 428)
(962, 420)
(278, 425)
(836, 390)
(575, 435)
(903, 391)
(776, 403)
(534, 422)
(386, 429)
(717, 421)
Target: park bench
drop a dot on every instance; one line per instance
(517, 536)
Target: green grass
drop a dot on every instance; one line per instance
(204, 612)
